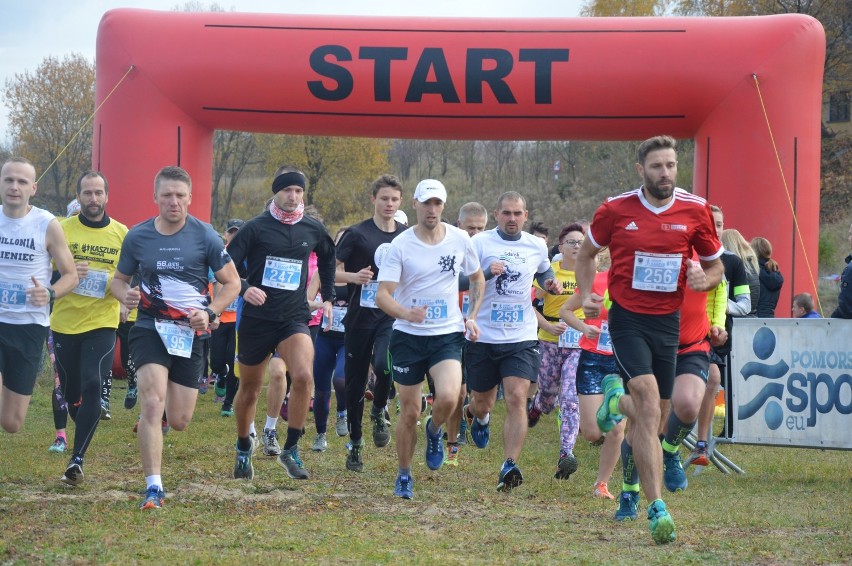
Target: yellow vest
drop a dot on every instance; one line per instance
(90, 305)
(552, 303)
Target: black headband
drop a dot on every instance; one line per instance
(285, 180)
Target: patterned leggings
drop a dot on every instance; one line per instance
(557, 375)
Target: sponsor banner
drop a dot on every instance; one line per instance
(791, 382)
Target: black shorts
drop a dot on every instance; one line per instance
(591, 369)
(21, 349)
(146, 347)
(717, 358)
(694, 363)
(412, 356)
(488, 364)
(259, 338)
(645, 344)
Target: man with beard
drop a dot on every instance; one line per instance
(84, 322)
(651, 233)
(173, 253)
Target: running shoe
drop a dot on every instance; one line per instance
(227, 411)
(434, 448)
(602, 491)
(243, 468)
(270, 442)
(673, 475)
(290, 461)
(105, 416)
(423, 404)
(566, 466)
(479, 433)
(73, 473)
(463, 431)
(219, 394)
(154, 497)
(254, 442)
(533, 415)
(698, 456)
(203, 384)
(381, 431)
(510, 476)
(662, 525)
(341, 427)
(452, 457)
(130, 397)
(354, 461)
(368, 395)
(283, 411)
(58, 445)
(320, 444)
(164, 424)
(612, 387)
(628, 504)
(404, 487)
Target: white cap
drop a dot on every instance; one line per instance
(401, 217)
(430, 188)
(73, 208)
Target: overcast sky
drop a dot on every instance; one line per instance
(40, 28)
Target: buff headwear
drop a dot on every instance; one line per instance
(287, 179)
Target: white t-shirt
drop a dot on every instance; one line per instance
(507, 315)
(23, 255)
(428, 275)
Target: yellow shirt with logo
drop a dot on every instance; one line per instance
(552, 303)
(82, 310)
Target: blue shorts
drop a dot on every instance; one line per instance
(591, 369)
(412, 356)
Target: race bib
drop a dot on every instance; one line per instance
(94, 284)
(465, 305)
(436, 309)
(570, 338)
(656, 272)
(282, 273)
(337, 314)
(317, 299)
(507, 315)
(233, 306)
(368, 294)
(13, 296)
(176, 336)
(604, 339)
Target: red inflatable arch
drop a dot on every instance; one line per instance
(431, 78)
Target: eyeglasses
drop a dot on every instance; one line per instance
(573, 243)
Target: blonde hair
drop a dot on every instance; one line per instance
(735, 243)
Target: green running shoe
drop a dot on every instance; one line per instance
(607, 419)
(662, 525)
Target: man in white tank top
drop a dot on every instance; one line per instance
(29, 238)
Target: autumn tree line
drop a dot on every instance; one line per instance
(50, 112)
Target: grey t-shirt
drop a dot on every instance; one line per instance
(172, 269)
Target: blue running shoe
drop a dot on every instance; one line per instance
(404, 487)
(153, 498)
(479, 433)
(434, 448)
(673, 475)
(612, 387)
(662, 525)
(628, 503)
(510, 476)
(243, 468)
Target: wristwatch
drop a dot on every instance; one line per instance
(210, 314)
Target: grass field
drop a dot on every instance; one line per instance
(791, 507)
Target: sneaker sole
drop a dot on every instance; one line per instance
(565, 469)
(72, 481)
(663, 532)
(380, 441)
(511, 480)
(151, 505)
(606, 422)
(319, 449)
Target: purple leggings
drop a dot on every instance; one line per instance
(557, 376)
